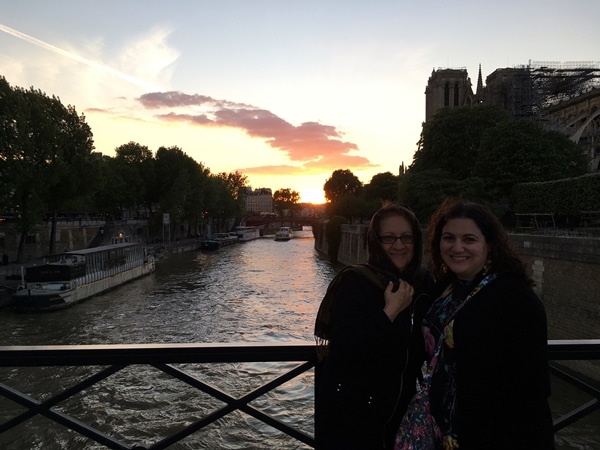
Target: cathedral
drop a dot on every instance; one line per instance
(560, 96)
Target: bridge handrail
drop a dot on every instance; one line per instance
(103, 354)
(118, 356)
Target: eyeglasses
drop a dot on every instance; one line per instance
(391, 239)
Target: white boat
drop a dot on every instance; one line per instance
(246, 233)
(284, 234)
(74, 276)
(225, 239)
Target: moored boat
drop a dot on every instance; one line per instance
(284, 234)
(74, 276)
(209, 245)
(225, 239)
(247, 233)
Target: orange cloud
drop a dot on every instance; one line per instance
(312, 144)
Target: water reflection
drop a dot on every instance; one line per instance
(259, 291)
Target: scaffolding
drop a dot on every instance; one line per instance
(540, 84)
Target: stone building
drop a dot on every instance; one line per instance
(448, 88)
(560, 96)
(259, 200)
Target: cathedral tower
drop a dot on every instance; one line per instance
(447, 88)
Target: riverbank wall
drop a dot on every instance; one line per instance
(566, 271)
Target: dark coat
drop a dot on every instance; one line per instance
(369, 375)
(502, 375)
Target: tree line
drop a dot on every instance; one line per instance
(474, 152)
(48, 165)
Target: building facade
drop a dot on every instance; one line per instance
(559, 96)
(259, 200)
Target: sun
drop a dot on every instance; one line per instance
(314, 196)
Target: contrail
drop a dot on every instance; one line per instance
(76, 57)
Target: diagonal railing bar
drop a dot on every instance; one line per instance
(63, 419)
(241, 403)
(581, 411)
(35, 407)
(161, 355)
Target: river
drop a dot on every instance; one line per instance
(258, 291)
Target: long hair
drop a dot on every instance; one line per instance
(503, 257)
(378, 258)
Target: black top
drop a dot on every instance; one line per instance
(502, 376)
(365, 383)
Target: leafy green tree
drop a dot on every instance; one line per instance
(424, 191)
(286, 199)
(479, 153)
(10, 106)
(522, 151)
(451, 141)
(222, 205)
(342, 183)
(46, 154)
(69, 167)
(343, 191)
(236, 185)
(174, 173)
(382, 187)
(134, 164)
(110, 187)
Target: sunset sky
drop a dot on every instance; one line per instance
(284, 91)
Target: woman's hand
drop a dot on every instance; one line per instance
(396, 302)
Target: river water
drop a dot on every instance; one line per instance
(258, 291)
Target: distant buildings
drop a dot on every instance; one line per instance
(259, 200)
(560, 96)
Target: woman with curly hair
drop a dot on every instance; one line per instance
(486, 338)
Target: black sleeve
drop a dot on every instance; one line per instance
(359, 323)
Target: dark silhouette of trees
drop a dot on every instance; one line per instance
(480, 153)
(46, 154)
(286, 200)
(47, 166)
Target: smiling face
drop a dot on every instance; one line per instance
(401, 253)
(463, 248)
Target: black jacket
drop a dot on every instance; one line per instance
(365, 383)
(502, 376)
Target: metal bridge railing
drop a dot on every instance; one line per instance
(114, 358)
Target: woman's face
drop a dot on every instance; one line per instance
(402, 250)
(463, 248)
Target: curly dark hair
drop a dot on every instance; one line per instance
(503, 255)
(377, 257)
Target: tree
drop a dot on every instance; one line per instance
(46, 154)
(451, 141)
(134, 165)
(286, 199)
(175, 171)
(424, 191)
(479, 153)
(236, 184)
(71, 180)
(522, 151)
(383, 187)
(342, 183)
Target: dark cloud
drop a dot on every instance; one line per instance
(312, 144)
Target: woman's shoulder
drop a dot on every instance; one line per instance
(360, 274)
(511, 282)
(514, 291)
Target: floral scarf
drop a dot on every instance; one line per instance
(438, 325)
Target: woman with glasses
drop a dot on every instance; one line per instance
(368, 327)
